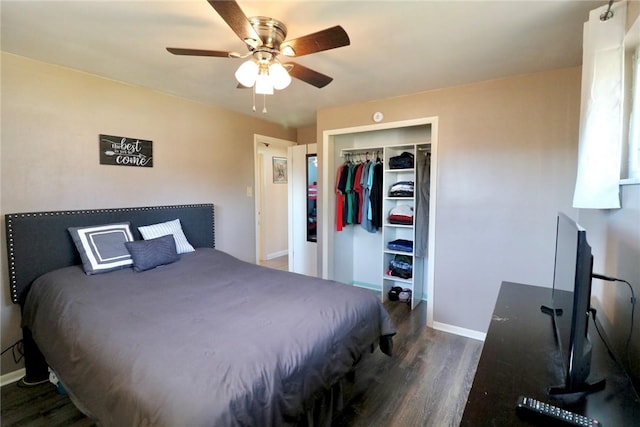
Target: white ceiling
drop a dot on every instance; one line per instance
(397, 47)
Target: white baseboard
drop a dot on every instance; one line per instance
(469, 333)
(366, 285)
(276, 254)
(12, 377)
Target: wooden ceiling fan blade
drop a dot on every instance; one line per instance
(199, 52)
(329, 38)
(307, 75)
(235, 18)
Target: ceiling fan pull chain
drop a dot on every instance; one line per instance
(264, 104)
(253, 91)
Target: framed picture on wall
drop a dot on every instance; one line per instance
(279, 170)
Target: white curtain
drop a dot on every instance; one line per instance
(601, 120)
(634, 126)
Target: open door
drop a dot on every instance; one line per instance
(303, 194)
(271, 198)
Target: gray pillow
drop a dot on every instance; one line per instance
(148, 254)
(101, 247)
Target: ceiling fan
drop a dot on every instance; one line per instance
(265, 39)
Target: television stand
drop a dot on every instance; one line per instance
(519, 358)
(583, 387)
(586, 387)
(549, 310)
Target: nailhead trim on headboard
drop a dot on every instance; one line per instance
(9, 220)
(12, 258)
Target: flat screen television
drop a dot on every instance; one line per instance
(571, 304)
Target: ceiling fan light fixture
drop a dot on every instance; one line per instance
(279, 76)
(264, 38)
(247, 73)
(264, 85)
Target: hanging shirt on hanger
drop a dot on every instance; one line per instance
(365, 220)
(357, 188)
(357, 194)
(343, 189)
(376, 196)
(349, 194)
(372, 168)
(339, 200)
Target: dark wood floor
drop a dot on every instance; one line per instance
(425, 383)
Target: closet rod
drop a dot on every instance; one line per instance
(359, 151)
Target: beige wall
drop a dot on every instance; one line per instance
(633, 11)
(307, 134)
(507, 164)
(51, 118)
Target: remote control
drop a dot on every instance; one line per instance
(530, 407)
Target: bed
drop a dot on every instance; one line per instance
(203, 340)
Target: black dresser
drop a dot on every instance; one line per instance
(519, 357)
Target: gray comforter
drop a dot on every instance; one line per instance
(206, 341)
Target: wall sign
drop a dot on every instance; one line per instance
(122, 151)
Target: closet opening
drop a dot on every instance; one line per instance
(378, 210)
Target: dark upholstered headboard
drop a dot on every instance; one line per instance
(38, 242)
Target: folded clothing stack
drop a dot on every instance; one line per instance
(401, 245)
(401, 214)
(403, 161)
(401, 266)
(401, 189)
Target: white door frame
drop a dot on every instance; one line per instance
(325, 238)
(260, 141)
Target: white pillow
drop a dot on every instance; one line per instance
(164, 228)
